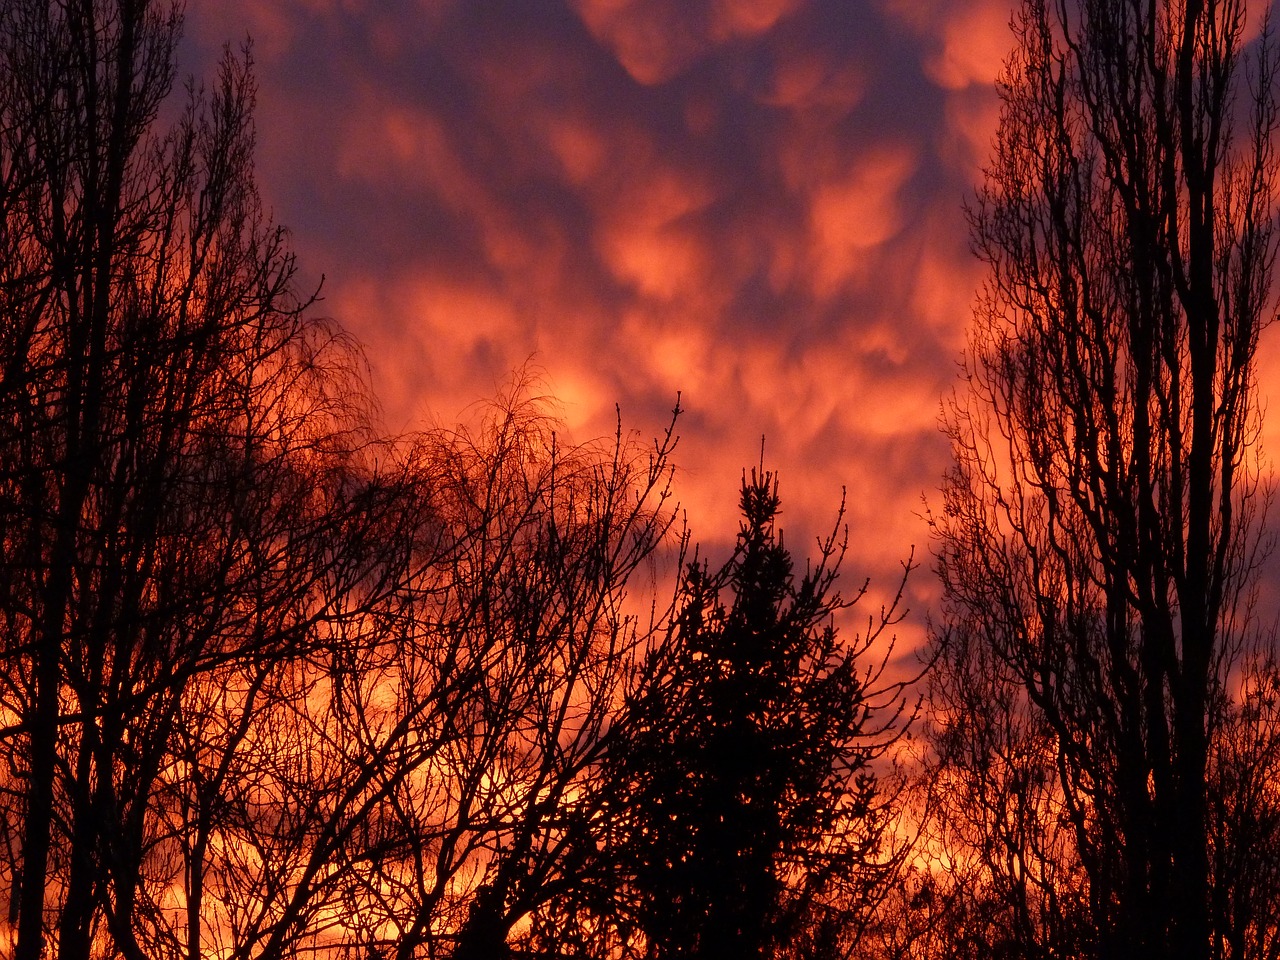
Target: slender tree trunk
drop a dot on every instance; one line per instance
(37, 827)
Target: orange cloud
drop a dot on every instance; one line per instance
(754, 202)
(975, 37)
(801, 81)
(1268, 378)
(747, 18)
(642, 238)
(855, 212)
(655, 40)
(581, 150)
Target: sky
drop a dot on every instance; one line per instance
(754, 204)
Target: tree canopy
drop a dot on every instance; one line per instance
(1101, 529)
(277, 684)
(274, 683)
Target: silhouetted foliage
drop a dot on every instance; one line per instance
(1244, 813)
(540, 643)
(273, 685)
(744, 815)
(1100, 530)
(184, 496)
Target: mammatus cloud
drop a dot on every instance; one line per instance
(753, 202)
(654, 40)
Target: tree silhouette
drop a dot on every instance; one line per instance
(274, 685)
(1100, 529)
(543, 643)
(1244, 813)
(189, 491)
(744, 817)
(271, 684)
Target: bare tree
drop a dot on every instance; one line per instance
(188, 482)
(543, 599)
(412, 780)
(1101, 527)
(1244, 807)
(272, 685)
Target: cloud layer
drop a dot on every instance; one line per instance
(754, 203)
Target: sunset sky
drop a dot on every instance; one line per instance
(756, 203)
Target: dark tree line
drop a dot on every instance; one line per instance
(273, 684)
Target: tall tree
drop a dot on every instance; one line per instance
(270, 685)
(183, 487)
(538, 632)
(1100, 528)
(742, 813)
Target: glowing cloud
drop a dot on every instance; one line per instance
(755, 202)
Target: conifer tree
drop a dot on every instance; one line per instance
(751, 809)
